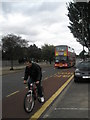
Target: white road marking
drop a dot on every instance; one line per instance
(71, 109)
(51, 76)
(43, 71)
(12, 94)
(46, 78)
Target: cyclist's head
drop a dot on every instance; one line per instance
(28, 63)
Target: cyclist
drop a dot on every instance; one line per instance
(34, 73)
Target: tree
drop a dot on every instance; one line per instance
(48, 52)
(12, 47)
(83, 55)
(34, 52)
(79, 17)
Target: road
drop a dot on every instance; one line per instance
(14, 82)
(64, 98)
(14, 90)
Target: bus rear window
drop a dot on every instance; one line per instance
(61, 48)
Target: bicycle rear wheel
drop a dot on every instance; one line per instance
(29, 102)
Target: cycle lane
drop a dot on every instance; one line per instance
(12, 107)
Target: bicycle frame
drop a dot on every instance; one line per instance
(33, 90)
(30, 97)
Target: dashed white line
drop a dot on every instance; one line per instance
(46, 78)
(71, 109)
(12, 94)
(43, 71)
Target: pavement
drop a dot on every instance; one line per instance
(6, 70)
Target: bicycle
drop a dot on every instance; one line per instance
(30, 97)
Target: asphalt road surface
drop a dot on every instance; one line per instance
(14, 82)
(14, 91)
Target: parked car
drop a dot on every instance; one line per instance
(82, 71)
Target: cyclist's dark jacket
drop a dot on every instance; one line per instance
(34, 72)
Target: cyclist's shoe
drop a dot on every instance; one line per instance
(42, 99)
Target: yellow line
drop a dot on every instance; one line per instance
(47, 103)
(12, 94)
(55, 74)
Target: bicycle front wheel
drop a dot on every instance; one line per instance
(28, 102)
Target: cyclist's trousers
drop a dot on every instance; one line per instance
(39, 87)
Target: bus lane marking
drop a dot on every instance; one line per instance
(62, 73)
(68, 76)
(60, 76)
(51, 76)
(64, 76)
(57, 75)
(71, 73)
(50, 100)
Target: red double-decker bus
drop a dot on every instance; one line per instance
(64, 56)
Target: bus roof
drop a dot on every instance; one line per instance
(61, 45)
(64, 46)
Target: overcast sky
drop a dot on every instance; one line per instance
(39, 21)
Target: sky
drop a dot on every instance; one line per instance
(38, 21)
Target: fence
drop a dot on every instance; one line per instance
(6, 63)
